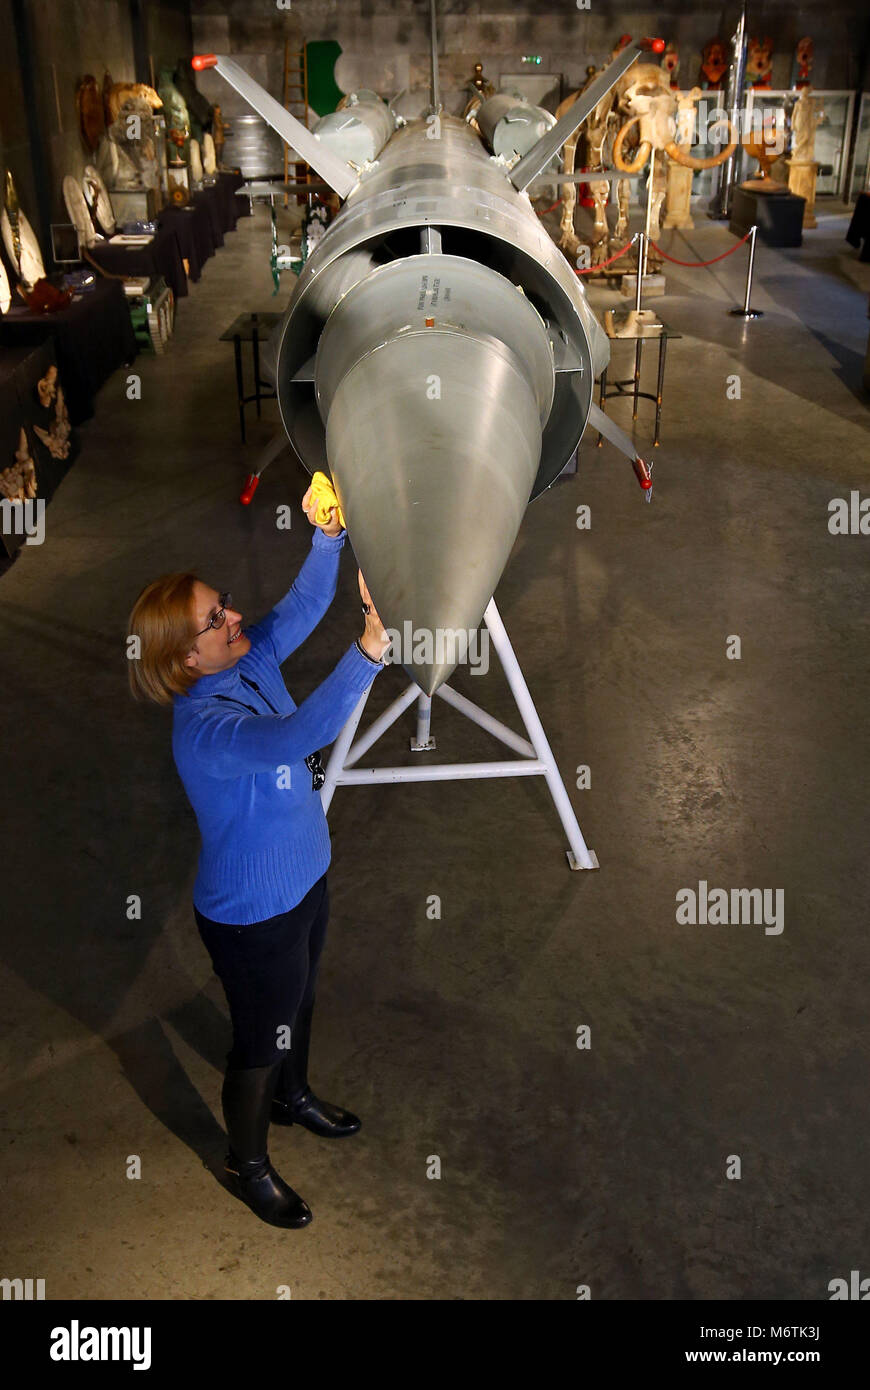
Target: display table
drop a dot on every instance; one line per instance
(779, 217)
(93, 336)
(223, 207)
(192, 227)
(253, 329)
(190, 233)
(233, 203)
(31, 432)
(859, 227)
(160, 256)
(630, 386)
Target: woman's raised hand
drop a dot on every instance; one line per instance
(374, 640)
(332, 527)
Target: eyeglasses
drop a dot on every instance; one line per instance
(318, 772)
(219, 618)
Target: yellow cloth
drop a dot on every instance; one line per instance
(323, 493)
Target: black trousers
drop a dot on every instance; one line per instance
(269, 972)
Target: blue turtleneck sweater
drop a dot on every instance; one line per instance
(265, 840)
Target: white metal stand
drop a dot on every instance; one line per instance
(535, 760)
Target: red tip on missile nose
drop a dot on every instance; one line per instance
(657, 45)
(203, 60)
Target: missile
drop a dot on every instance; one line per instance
(438, 353)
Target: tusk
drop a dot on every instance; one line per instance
(691, 161)
(643, 152)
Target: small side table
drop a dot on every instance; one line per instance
(630, 386)
(249, 328)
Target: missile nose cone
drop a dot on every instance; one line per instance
(433, 440)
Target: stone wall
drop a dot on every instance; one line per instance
(385, 43)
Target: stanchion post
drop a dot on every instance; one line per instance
(746, 312)
(641, 258)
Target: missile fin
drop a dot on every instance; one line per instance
(334, 171)
(604, 425)
(539, 156)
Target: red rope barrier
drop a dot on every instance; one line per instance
(551, 208)
(593, 269)
(692, 264)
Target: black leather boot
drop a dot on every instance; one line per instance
(246, 1098)
(294, 1101)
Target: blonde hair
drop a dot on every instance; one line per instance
(163, 621)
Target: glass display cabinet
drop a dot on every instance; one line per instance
(832, 134)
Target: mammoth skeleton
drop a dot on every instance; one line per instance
(641, 98)
(666, 125)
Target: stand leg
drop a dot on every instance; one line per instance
(423, 743)
(602, 397)
(579, 857)
(638, 349)
(663, 347)
(256, 347)
(240, 383)
(340, 750)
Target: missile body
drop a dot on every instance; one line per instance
(436, 358)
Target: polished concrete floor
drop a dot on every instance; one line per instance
(605, 1166)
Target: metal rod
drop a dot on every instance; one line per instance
(381, 724)
(749, 270)
(424, 720)
(582, 858)
(600, 176)
(444, 772)
(433, 55)
(486, 721)
(746, 312)
(339, 751)
(734, 101)
(641, 260)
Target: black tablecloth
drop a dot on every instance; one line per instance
(859, 227)
(192, 227)
(52, 451)
(161, 256)
(234, 205)
(211, 201)
(224, 208)
(93, 336)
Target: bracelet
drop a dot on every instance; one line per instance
(362, 651)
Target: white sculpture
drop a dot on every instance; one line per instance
(209, 158)
(805, 117)
(195, 163)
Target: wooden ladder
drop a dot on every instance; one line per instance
(296, 102)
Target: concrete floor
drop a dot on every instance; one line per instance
(560, 1167)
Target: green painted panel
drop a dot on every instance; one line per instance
(323, 92)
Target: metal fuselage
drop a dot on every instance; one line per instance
(437, 359)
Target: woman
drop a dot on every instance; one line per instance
(250, 763)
